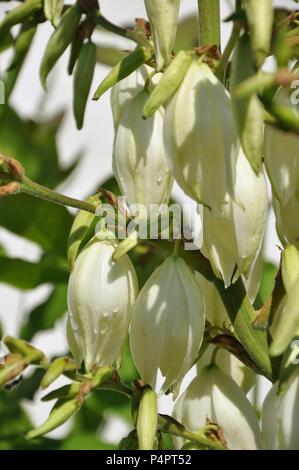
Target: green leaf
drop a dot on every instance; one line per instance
(44, 223)
(33, 144)
(45, 315)
(26, 275)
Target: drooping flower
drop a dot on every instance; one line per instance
(280, 417)
(233, 239)
(168, 324)
(201, 138)
(126, 90)
(214, 396)
(101, 294)
(139, 162)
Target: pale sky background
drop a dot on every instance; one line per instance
(95, 140)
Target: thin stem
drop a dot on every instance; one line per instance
(209, 22)
(113, 28)
(34, 189)
(174, 428)
(221, 69)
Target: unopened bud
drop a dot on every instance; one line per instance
(61, 412)
(147, 419)
(163, 18)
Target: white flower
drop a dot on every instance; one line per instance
(168, 324)
(234, 238)
(280, 417)
(163, 17)
(216, 314)
(101, 295)
(201, 138)
(126, 90)
(139, 162)
(214, 396)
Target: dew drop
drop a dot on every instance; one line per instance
(95, 331)
(105, 314)
(159, 180)
(103, 329)
(115, 310)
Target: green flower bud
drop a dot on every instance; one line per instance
(61, 412)
(287, 226)
(213, 395)
(83, 79)
(19, 15)
(282, 156)
(53, 10)
(60, 40)
(248, 111)
(289, 267)
(139, 156)
(260, 18)
(123, 69)
(147, 419)
(202, 147)
(163, 17)
(170, 302)
(169, 83)
(101, 294)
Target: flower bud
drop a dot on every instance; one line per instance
(289, 267)
(147, 419)
(280, 417)
(167, 324)
(216, 314)
(201, 138)
(287, 220)
(101, 294)
(235, 238)
(214, 396)
(282, 155)
(139, 156)
(126, 90)
(61, 412)
(163, 18)
(285, 324)
(260, 18)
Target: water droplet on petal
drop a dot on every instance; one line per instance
(103, 329)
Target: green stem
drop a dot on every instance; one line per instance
(209, 22)
(221, 69)
(170, 426)
(131, 34)
(37, 190)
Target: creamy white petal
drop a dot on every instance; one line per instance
(139, 162)
(215, 396)
(101, 295)
(167, 324)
